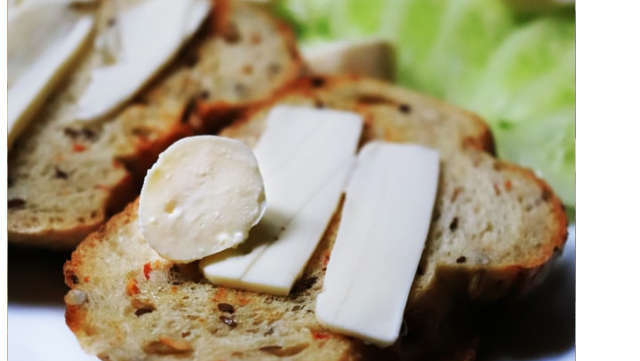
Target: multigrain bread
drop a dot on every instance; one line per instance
(66, 178)
(495, 231)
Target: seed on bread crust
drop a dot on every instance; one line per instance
(189, 108)
(143, 311)
(75, 298)
(270, 349)
(16, 203)
(60, 174)
(231, 34)
(454, 224)
(317, 82)
(225, 307)
(405, 108)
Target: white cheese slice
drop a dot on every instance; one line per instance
(202, 196)
(305, 156)
(383, 229)
(151, 34)
(44, 39)
(370, 57)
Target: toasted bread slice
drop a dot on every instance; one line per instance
(66, 178)
(496, 228)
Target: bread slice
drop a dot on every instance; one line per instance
(495, 230)
(66, 178)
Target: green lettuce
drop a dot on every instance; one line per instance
(518, 73)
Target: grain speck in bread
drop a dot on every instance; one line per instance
(495, 230)
(66, 178)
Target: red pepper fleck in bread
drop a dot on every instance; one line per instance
(66, 178)
(495, 231)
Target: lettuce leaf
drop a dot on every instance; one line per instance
(545, 143)
(518, 73)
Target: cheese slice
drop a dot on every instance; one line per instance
(305, 156)
(372, 57)
(202, 196)
(44, 39)
(384, 225)
(150, 36)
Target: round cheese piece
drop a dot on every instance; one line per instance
(202, 196)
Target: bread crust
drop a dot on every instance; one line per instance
(447, 287)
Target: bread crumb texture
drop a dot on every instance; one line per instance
(495, 230)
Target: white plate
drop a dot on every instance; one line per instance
(542, 327)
